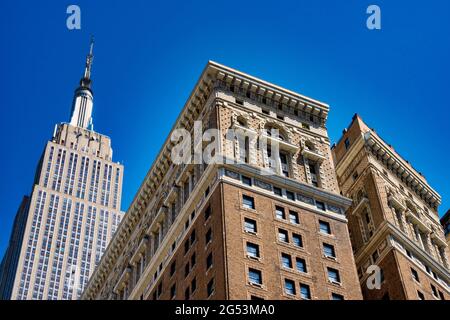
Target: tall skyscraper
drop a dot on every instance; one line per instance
(268, 223)
(393, 222)
(63, 228)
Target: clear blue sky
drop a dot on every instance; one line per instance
(148, 57)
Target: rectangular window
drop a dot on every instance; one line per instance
(193, 260)
(347, 144)
(210, 288)
(173, 268)
(415, 275)
(305, 292)
(280, 213)
(252, 250)
(301, 265)
(293, 217)
(173, 291)
(187, 269)
(246, 180)
(277, 191)
(250, 225)
(208, 236)
(297, 240)
(286, 261)
(320, 205)
(290, 195)
(420, 295)
(248, 202)
(255, 276)
(324, 227)
(434, 290)
(207, 213)
(283, 236)
(209, 261)
(328, 250)
(289, 287)
(333, 275)
(193, 285)
(336, 296)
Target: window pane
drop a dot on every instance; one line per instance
(301, 265)
(293, 217)
(305, 292)
(289, 286)
(324, 227)
(297, 240)
(255, 276)
(248, 202)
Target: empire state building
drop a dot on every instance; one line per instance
(62, 229)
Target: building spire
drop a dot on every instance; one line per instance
(83, 100)
(86, 80)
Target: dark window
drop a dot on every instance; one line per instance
(415, 275)
(434, 290)
(246, 180)
(208, 236)
(186, 246)
(333, 275)
(209, 261)
(324, 227)
(207, 213)
(248, 202)
(193, 285)
(347, 144)
(336, 296)
(290, 195)
(252, 250)
(420, 295)
(283, 236)
(289, 287)
(293, 217)
(305, 291)
(297, 240)
(250, 225)
(277, 191)
(210, 287)
(255, 276)
(301, 265)
(173, 291)
(193, 260)
(187, 294)
(173, 267)
(320, 205)
(256, 298)
(328, 250)
(193, 237)
(286, 261)
(280, 213)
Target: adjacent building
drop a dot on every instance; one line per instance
(445, 221)
(62, 229)
(230, 230)
(393, 221)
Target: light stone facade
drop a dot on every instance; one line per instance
(72, 213)
(393, 221)
(224, 231)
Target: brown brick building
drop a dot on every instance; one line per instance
(393, 221)
(230, 231)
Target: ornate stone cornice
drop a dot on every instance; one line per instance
(402, 169)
